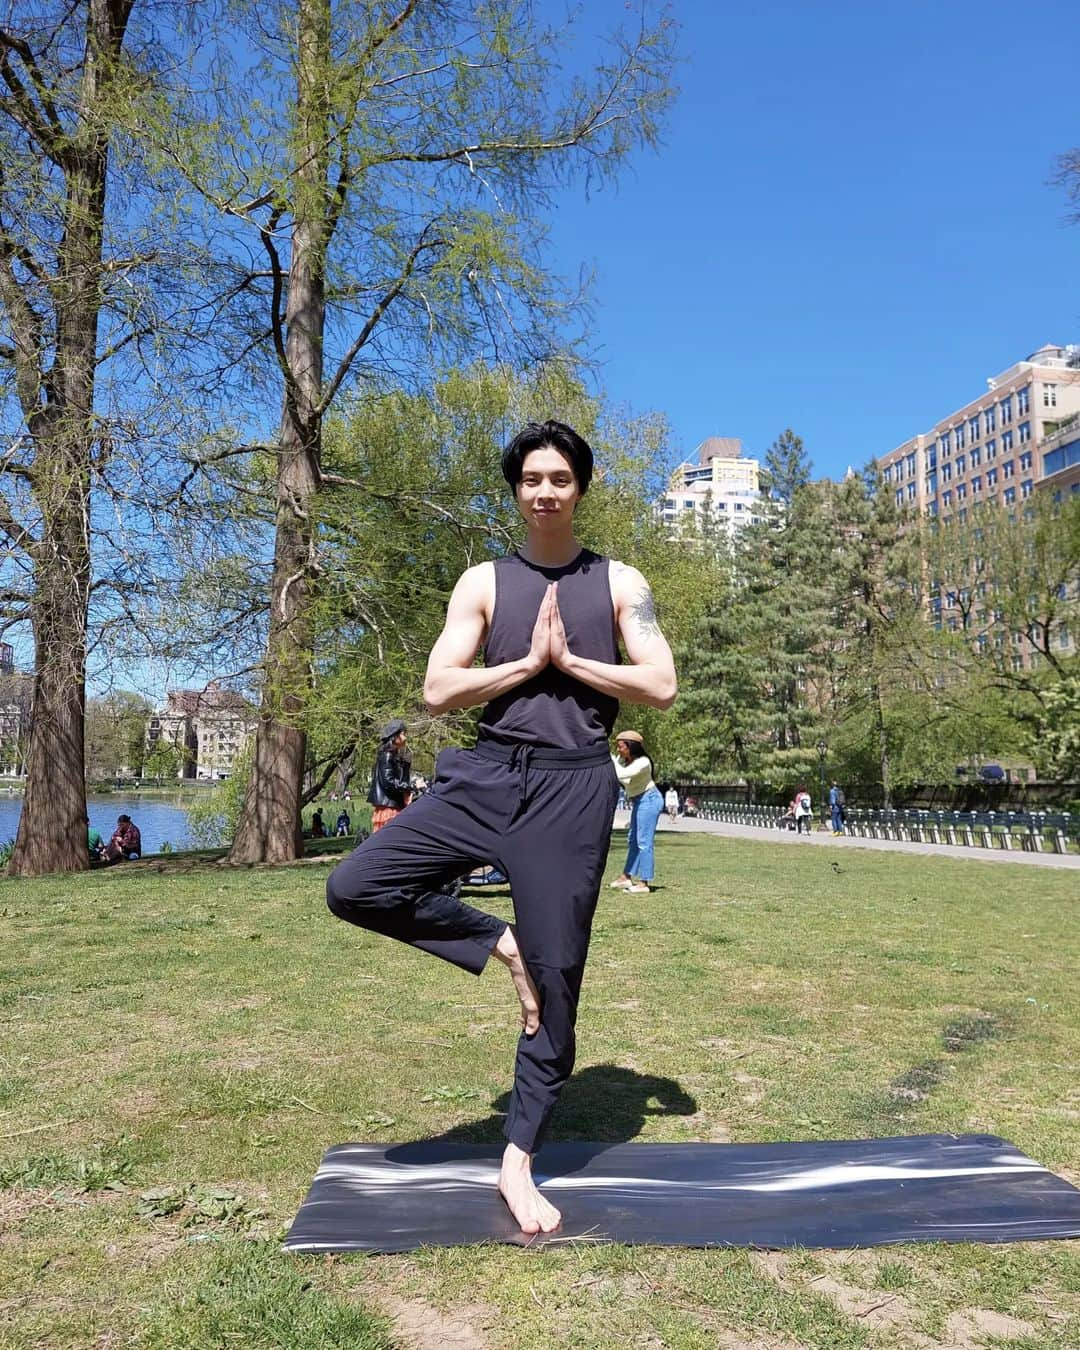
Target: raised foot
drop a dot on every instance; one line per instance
(506, 949)
(531, 1211)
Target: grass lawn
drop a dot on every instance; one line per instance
(178, 1048)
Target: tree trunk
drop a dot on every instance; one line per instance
(52, 826)
(269, 829)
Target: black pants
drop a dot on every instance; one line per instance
(542, 816)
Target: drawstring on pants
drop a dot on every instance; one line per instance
(520, 759)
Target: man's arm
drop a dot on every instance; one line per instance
(452, 681)
(650, 676)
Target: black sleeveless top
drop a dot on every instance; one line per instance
(552, 708)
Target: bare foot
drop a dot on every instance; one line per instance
(526, 1204)
(508, 952)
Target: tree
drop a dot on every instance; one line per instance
(399, 218)
(750, 672)
(63, 77)
(116, 734)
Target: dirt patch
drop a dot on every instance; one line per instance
(422, 1327)
(973, 1326)
(961, 1033)
(735, 1340)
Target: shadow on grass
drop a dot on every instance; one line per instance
(603, 1103)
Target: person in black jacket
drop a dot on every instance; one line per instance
(390, 790)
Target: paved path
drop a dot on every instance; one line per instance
(823, 839)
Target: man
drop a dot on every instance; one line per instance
(837, 802)
(94, 842)
(537, 795)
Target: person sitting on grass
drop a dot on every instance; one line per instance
(94, 842)
(126, 841)
(343, 825)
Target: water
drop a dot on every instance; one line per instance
(159, 819)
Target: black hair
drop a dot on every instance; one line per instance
(539, 435)
(637, 750)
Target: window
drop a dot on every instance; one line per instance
(976, 484)
(961, 515)
(991, 478)
(1025, 432)
(973, 427)
(961, 491)
(909, 463)
(946, 497)
(899, 496)
(1010, 496)
(739, 506)
(945, 443)
(1023, 401)
(1006, 410)
(991, 449)
(931, 484)
(975, 457)
(1026, 487)
(960, 436)
(721, 506)
(961, 464)
(1006, 441)
(932, 508)
(1049, 395)
(888, 473)
(911, 492)
(1008, 469)
(946, 473)
(1063, 636)
(990, 418)
(1025, 460)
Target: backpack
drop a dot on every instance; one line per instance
(841, 800)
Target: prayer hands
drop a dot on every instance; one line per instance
(549, 645)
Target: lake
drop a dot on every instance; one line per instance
(160, 819)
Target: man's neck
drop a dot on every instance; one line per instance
(550, 550)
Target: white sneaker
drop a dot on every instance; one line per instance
(639, 888)
(621, 885)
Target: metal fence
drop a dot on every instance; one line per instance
(1022, 831)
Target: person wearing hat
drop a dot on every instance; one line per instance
(634, 769)
(536, 795)
(390, 790)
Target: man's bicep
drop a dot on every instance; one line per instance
(639, 623)
(463, 631)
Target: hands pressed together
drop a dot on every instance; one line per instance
(549, 636)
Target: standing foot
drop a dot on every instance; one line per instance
(531, 1211)
(508, 952)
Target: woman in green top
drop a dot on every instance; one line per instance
(634, 770)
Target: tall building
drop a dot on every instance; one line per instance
(1021, 433)
(723, 483)
(208, 727)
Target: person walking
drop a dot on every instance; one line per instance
(391, 788)
(634, 770)
(671, 802)
(837, 803)
(536, 796)
(804, 815)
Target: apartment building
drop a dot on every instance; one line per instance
(722, 482)
(1000, 446)
(209, 727)
(1022, 434)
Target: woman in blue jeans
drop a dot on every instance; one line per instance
(634, 770)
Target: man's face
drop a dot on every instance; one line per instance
(399, 740)
(548, 491)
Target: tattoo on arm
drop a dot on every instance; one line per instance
(644, 611)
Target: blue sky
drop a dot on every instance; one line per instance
(851, 223)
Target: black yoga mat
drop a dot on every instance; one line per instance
(860, 1193)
